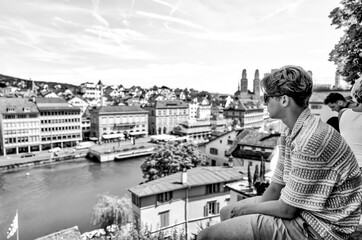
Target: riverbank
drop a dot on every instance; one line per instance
(40, 158)
(66, 154)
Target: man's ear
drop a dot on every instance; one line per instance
(285, 100)
(340, 103)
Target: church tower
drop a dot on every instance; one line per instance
(244, 85)
(256, 85)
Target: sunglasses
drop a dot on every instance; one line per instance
(267, 96)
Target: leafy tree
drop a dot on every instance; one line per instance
(170, 158)
(347, 54)
(110, 210)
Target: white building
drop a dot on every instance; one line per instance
(184, 200)
(215, 150)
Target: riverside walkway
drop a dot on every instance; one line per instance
(45, 157)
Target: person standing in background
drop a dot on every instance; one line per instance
(350, 122)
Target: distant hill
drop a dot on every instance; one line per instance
(13, 81)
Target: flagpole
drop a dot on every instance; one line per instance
(17, 232)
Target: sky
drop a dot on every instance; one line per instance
(200, 44)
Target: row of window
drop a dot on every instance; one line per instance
(55, 121)
(169, 120)
(30, 124)
(60, 137)
(122, 119)
(171, 112)
(20, 116)
(21, 131)
(21, 139)
(211, 208)
(59, 113)
(54, 129)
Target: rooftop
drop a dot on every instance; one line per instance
(195, 177)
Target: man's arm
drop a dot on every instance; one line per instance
(272, 192)
(276, 208)
(270, 204)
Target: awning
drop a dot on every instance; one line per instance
(117, 135)
(137, 133)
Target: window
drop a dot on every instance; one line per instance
(211, 208)
(164, 197)
(164, 219)
(213, 151)
(213, 188)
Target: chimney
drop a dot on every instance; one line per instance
(184, 177)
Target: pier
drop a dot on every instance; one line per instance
(121, 150)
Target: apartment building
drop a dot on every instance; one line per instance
(184, 200)
(60, 123)
(19, 126)
(91, 90)
(249, 114)
(215, 151)
(198, 130)
(165, 115)
(111, 123)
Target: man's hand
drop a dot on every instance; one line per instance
(242, 210)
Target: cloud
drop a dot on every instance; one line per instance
(170, 19)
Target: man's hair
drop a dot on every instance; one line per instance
(333, 98)
(292, 81)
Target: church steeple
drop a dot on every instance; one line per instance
(256, 85)
(244, 85)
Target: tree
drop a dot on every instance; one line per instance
(170, 158)
(347, 54)
(111, 210)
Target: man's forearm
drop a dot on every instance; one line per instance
(276, 208)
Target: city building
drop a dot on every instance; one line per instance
(91, 90)
(111, 123)
(247, 114)
(19, 126)
(165, 115)
(197, 130)
(243, 92)
(250, 146)
(184, 200)
(60, 123)
(78, 102)
(215, 150)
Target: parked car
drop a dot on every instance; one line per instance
(84, 145)
(54, 150)
(27, 155)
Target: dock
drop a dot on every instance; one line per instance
(121, 150)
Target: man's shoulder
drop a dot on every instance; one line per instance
(317, 137)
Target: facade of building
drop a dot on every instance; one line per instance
(19, 126)
(61, 124)
(251, 145)
(197, 130)
(184, 200)
(165, 115)
(91, 91)
(37, 124)
(113, 122)
(78, 102)
(215, 150)
(248, 114)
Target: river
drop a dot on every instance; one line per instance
(57, 196)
